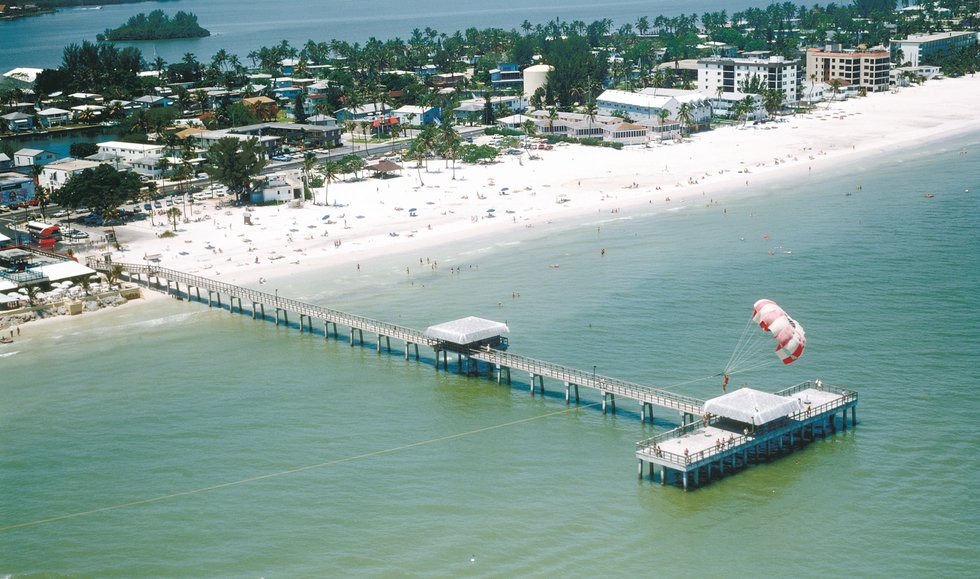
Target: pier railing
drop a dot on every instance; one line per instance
(633, 390)
(267, 299)
(651, 446)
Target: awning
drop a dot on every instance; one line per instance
(752, 406)
(467, 330)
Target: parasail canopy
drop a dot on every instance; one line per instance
(789, 334)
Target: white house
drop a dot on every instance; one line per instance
(281, 188)
(54, 175)
(130, 152)
(28, 157)
(54, 117)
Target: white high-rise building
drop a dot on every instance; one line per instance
(730, 74)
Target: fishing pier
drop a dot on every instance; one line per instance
(684, 452)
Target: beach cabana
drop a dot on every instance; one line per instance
(384, 169)
(754, 407)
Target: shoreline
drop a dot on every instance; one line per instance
(568, 186)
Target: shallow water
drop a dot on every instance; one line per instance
(204, 415)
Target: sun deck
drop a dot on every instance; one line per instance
(691, 455)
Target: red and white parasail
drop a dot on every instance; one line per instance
(789, 334)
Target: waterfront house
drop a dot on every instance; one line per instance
(154, 101)
(15, 188)
(18, 121)
(54, 117)
(87, 113)
(28, 157)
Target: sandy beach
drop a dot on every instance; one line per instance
(372, 217)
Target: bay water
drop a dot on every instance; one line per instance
(241, 27)
(169, 439)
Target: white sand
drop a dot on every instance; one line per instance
(703, 170)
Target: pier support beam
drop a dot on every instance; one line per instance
(612, 401)
(568, 386)
(646, 410)
(537, 381)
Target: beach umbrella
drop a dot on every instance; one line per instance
(412, 209)
(324, 218)
(490, 210)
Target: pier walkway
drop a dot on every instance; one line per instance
(170, 281)
(690, 455)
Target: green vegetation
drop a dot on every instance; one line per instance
(235, 164)
(156, 26)
(103, 189)
(963, 61)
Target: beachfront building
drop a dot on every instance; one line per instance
(15, 188)
(867, 70)
(720, 75)
(56, 174)
(279, 188)
(921, 49)
(722, 105)
(603, 127)
(648, 103)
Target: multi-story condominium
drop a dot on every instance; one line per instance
(728, 75)
(868, 70)
(919, 49)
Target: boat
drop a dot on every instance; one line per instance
(6, 340)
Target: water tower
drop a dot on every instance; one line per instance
(535, 77)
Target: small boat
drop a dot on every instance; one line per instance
(6, 340)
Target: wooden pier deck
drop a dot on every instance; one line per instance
(694, 454)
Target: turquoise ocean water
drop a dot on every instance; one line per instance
(181, 412)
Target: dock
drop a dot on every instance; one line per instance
(693, 455)
(701, 449)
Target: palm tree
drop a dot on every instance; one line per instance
(309, 162)
(835, 85)
(451, 143)
(686, 117)
(552, 117)
(349, 126)
(330, 170)
(173, 214)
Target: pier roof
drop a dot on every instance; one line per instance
(752, 406)
(467, 330)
